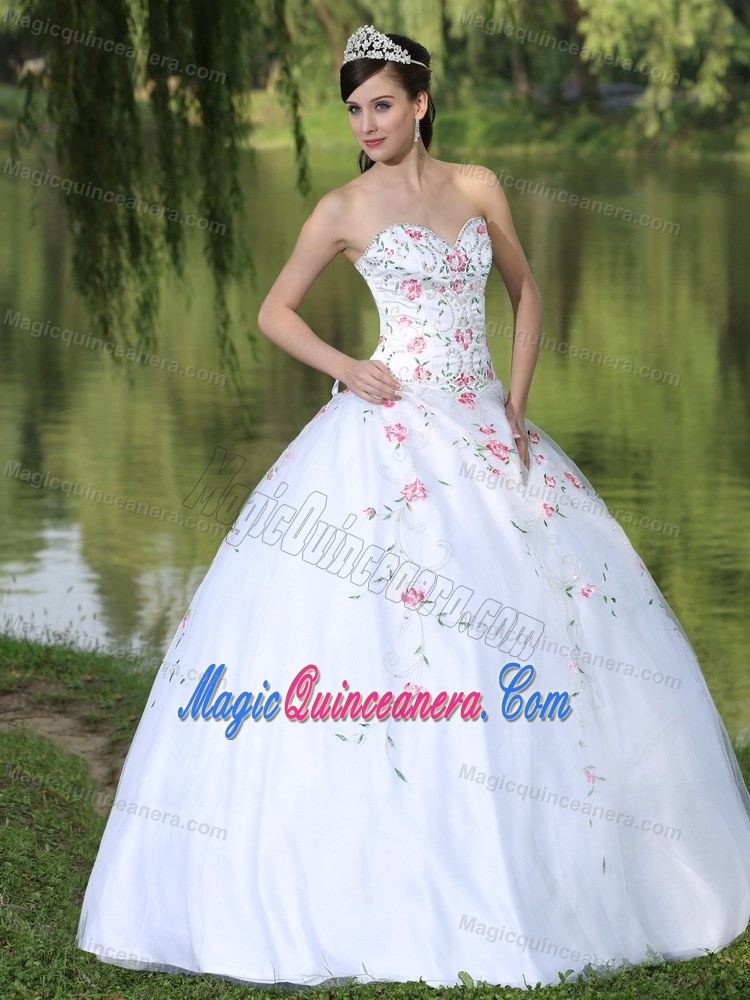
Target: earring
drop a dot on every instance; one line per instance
(416, 129)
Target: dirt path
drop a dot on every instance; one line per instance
(18, 711)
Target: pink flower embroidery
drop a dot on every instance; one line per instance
(549, 511)
(464, 337)
(467, 399)
(498, 449)
(411, 288)
(405, 321)
(457, 260)
(538, 459)
(574, 481)
(533, 437)
(465, 379)
(395, 432)
(481, 229)
(415, 490)
(370, 511)
(457, 285)
(487, 429)
(416, 234)
(548, 479)
(415, 688)
(588, 590)
(422, 373)
(416, 344)
(413, 597)
(388, 402)
(590, 776)
(185, 618)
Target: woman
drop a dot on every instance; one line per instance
(427, 646)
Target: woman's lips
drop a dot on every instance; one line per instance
(373, 142)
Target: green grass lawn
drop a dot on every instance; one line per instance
(50, 831)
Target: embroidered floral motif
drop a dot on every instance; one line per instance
(430, 296)
(413, 597)
(395, 432)
(574, 481)
(414, 491)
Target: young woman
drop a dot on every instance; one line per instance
(425, 738)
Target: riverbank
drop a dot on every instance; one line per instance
(494, 123)
(491, 123)
(66, 720)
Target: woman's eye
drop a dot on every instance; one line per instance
(353, 109)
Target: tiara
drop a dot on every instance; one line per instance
(369, 43)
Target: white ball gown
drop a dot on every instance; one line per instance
(427, 712)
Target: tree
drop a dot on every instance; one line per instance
(655, 36)
(128, 207)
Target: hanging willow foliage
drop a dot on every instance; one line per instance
(193, 57)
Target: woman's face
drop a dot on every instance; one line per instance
(382, 116)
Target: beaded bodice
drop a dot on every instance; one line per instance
(430, 296)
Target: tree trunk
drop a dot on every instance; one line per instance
(589, 91)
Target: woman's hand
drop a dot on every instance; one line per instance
(518, 429)
(371, 381)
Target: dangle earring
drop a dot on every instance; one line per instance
(416, 129)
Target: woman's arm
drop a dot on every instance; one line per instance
(523, 292)
(319, 241)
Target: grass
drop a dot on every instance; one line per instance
(51, 832)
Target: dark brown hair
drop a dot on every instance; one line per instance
(412, 78)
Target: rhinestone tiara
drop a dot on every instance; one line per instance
(369, 43)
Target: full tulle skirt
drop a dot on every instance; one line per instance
(581, 806)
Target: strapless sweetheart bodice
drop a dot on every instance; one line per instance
(430, 296)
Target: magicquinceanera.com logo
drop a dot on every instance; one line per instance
(409, 704)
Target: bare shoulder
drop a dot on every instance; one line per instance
(474, 174)
(351, 197)
(334, 211)
(482, 186)
(474, 185)
(327, 210)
